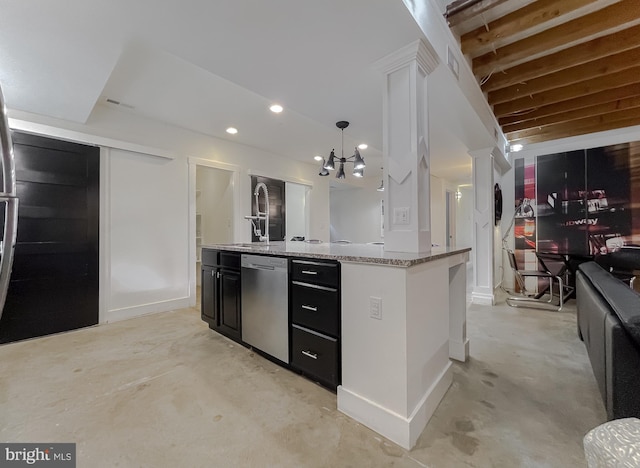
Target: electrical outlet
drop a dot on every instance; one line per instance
(375, 307)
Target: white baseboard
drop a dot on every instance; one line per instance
(482, 298)
(404, 431)
(116, 315)
(459, 350)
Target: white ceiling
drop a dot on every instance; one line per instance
(206, 65)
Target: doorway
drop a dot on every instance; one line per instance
(214, 209)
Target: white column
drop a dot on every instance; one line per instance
(406, 148)
(483, 222)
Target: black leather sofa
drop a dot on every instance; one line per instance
(609, 325)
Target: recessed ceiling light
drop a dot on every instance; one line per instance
(276, 108)
(517, 147)
(232, 130)
(363, 146)
(317, 158)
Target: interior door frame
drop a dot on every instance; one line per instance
(235, 171)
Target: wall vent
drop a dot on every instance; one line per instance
(118, 103)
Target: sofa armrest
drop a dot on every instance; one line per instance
(624, 301)
(622, 364)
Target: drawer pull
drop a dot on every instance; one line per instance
(310, 354)
(312, 309)
(309, 272)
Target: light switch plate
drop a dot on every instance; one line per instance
(401, 215)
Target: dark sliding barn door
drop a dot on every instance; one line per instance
(54, 283)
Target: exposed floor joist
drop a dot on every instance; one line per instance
(554, 68)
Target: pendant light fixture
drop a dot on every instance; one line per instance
(356, 159)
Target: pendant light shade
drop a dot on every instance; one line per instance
(340, 174)
(323, 169)
(331, 165)
(358, 162)
(358, 172)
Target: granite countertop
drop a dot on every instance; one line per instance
(355, 253)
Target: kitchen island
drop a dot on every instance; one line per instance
(403, 316)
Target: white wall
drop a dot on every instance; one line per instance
(151, 202)
(148, 231)
(464, 217)
(355, 214)
(295, 208)
(438, 212)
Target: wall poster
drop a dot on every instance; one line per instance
(584, 202)
(580, 203)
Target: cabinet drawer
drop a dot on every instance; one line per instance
(315, 354)
(315, 307)
(315, 272)
(230, 260)
(209, 257)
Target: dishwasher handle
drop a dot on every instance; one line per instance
(265, 263)
(253, 266)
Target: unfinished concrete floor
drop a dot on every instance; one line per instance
(165, 391)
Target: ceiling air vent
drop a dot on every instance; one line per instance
(118, 103)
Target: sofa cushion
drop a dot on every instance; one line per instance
(624, 301)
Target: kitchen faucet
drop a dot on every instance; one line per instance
(260, 215)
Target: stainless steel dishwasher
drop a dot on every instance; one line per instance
(265, 305)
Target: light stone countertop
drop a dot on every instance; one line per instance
(354, 253)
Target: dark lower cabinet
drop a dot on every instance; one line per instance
(220, 300)
(208, 293)
(314, 294)
(229, 303)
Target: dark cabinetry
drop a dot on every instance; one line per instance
(220, 300)
(315, 320)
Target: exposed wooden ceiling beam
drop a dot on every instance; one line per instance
(572, 126)
(577, 114)
(474, 8)
(586, 52)
(597, 68)
(565, 93)
(597, 22)
(555, 135)
(520, 20)
(610, 95)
